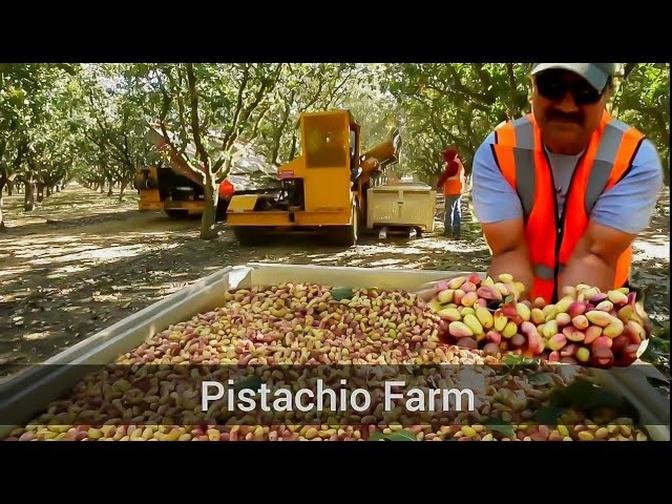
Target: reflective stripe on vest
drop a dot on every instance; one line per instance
(519, 153)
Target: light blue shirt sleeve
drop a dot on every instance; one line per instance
(493, 198)
(628, 205)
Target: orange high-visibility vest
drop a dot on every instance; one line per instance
(226, 189)
(522, 159)
(453, 185)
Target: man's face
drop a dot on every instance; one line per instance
(568, 110)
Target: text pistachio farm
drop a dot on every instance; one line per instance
(326, 399)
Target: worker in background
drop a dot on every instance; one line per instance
(226, 190)
(452, 183)
(562, 192)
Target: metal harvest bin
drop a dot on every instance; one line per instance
(29, 391)
(401, 205)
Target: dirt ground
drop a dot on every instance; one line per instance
(82, 261)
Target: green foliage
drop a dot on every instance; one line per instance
(643, 101)
(114, 139)
(90, 121)
(302, 87)
(460, 104)
(452, 105)
(36, 136)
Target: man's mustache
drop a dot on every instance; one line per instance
(575, 117)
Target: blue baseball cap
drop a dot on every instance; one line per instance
(595, 73)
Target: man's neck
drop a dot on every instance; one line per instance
(549, 152)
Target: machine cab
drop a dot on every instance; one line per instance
(330, 139)
(330, 144)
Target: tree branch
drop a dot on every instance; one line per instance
(239, 106)
(195, 126)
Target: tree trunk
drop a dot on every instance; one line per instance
(29, 196)
(209, 211)
(10, 188)
(40, 192)
(292, 152)
(48, 191)
(122, 188)
(210, 186)
(57, 188)
(102, 188)
(2, 187)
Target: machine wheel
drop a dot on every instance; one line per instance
(345, 235)
(222, 206)
(176, 214)
(249, 235)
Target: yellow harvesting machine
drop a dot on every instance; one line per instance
(325, 188)
(173, 187)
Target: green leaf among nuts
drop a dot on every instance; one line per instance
(540, 379)
(339, 293)
(251, 382)
(402, 435)
(548, 415)
(587, 396)
(499, 425)
(517, 362)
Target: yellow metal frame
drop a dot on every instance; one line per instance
(280, 218)
(192, 207)
(150, 200)
(242, 203)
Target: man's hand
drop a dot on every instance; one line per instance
(594, 259)
(506, 240)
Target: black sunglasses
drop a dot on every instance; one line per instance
(553, 87)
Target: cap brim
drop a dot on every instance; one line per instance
(591, 73)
